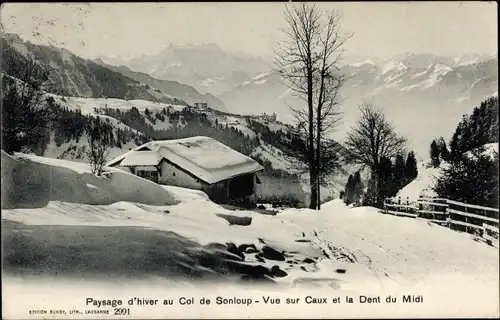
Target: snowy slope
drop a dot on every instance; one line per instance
(32, 181)
(75, 151)
(87, 105)
(424, 182)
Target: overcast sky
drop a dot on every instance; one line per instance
(131, 29)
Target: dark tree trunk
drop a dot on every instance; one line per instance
(319, 195)
(313, 174)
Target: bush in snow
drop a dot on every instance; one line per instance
(98, 140)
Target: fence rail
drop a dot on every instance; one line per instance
(459, 216)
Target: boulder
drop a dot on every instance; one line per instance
(308, 260)
(272, 254)
(277, 272)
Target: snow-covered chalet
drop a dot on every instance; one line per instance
(201, 163)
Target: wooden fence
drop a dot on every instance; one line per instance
(459, 216)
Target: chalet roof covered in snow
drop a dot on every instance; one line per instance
(141, 158)
(206, 158)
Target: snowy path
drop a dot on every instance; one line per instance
(348, 246)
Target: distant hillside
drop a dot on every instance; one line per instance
(173, 88)
(71, 75)
(132, 112)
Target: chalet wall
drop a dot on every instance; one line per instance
(278, 188)
(219, 192)
(137, 168)
(170, 175)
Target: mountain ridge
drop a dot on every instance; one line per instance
(174, 88)
(206, 67)
(71, 75)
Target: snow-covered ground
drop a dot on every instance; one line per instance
(75, 151)
(124, 224)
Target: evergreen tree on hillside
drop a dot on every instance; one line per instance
(435, 153)
(454, 147)
(477, 130)
(473, 175)
(387, 188)
(491, 115)
(411, 170)
(357, 188)
(471, 179)
(457, 144)
(399, 172)
(24, 113)
(353, 190)
(443, 149)
(370, 197)
(348, 190)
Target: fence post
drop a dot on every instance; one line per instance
(448, 218)
(465, 210)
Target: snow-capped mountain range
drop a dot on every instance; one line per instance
(417, 91)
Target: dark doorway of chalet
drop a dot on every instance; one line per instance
(241, 186)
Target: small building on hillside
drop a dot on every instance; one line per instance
(201, 163)
(269, 117)
(201, 106)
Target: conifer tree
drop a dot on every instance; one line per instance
(471, 173)
(357, 188)
(435, 153)
(411, 170)
(443, 149)
(24, 113)
(348, 190)
(399, 172)
(387, 183)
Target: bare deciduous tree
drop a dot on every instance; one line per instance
(308, 61)
(98, 146)
(372, 139)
